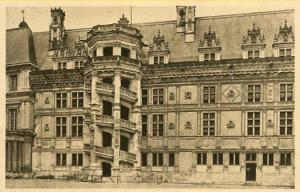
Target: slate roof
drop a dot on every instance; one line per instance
(229, 28)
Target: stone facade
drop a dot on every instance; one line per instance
(167, 101)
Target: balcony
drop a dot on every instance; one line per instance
(128, 95)
(105, 152)
(128, 125)
(105, 120)
(127, 157)
(105, 89)
(114, 59)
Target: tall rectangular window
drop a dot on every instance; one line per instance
(212, 56)
(171, 159)
(268, 159)
(285, 159)
(286, 123)
(281, 53)
(61, 100)
(144, 125)
(254, 92)
(206, 57)
(107, 108)
(286, 92)
(157, 159)
(209, 94)
(158, 125)
(209, 124)
(201, 158)
(77, 99)
(13, 82)
(77, 159)
(125, 52)
(161, 60)
(61, 159)
(107, 51)
(217, 158)
(253, 126)
(158, 96)
(234, 158)
(144, 96)
(156, 60)
(144, 159)
(77, 126)
(250, 54)
(61, 126)
(12, 119)
(256, 54)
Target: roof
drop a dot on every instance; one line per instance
(230, 29)
(20, 47)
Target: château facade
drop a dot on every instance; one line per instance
(194, 100)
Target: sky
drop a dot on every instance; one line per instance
(38, 18)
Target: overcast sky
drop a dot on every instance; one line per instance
(38, 18)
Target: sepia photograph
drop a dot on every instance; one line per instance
(143, 96)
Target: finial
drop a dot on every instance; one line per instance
(209, 29)
(253, 25)
(285, 23)
(23, 14)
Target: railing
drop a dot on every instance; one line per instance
(127, 124)
(105, 118)
(128, 93)
(104, 150)
(105, 87)
(127, 156)
(114, 58)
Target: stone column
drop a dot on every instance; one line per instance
(116, 132)
(20, 159)
(14, 156)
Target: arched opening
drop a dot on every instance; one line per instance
(124, 143)
(106, 169)
(106, 139)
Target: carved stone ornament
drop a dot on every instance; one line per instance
(285, 34)
(47, 101)
(159, 43)
(171, 125)
(188, 95)
(46, 127)
(230, 124)
(231, 93)
(188, 125)
(172, 96)
(254, 36)
(269, 123)
(210, 40)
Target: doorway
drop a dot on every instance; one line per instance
(250, 171)
(106, 169)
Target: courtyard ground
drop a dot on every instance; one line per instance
(52, 183)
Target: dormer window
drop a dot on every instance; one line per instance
(108, 51)
(209, 48)
(159, 50)
(61, 66)
(125, 52)
(253, 44)
(284, 42)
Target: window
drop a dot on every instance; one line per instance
(171, 159)
(286, 123)
(13, 82)
(144, 125)
(78, 64)
(77, 159)
(217, 158)
(281, 53)
(144, 96)
(61, 159)
(107, 80)
(158, 125)
(253, 93)
(286, 92)
(201, 158)
(288, 52)
(55, 21)
(157, 159)
(256, 54)
(250, 157)
(158, 96)
(77, 99)
(95, 53)
(107, 108)
(144, 159)
(77, 126)
(206, 57)
(125, 112)
(107, 51)
(61, 126)
(253, 54)
(125, 52)
(209, 124)
(209, 94)
(268, 159)
(285, 159)
(212, 57)
(209, 56)
(161, 60)
(61, 100)
(64, 65)
(253, 123)
(12, 119)
(234, 158)
(285, 52)
(125, 83)
(155, 60)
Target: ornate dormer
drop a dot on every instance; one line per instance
(253, 44)
(57, 29)
(159, 50)
(123, 21)
(186, 22)
(209, 47)
(284, 42)
(80, 47)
